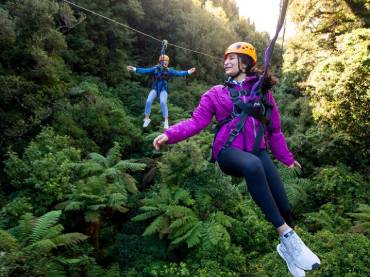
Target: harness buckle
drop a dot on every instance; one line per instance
(234, 133)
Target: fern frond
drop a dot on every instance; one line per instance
(74, 205)
(41, 246)
(192, 236)
(69, 239)
(43, 224)
(158, 224)
(363, 218)
(54, 231)
(130, 183)
(182, 221)
(215, 233)
(179, 211)
(223, 219)
(195, 235)
(116, 199)
(25, 226)
(111, 173)
(114, 154)
(127, 165)
(121, 209)
(7, 241)
(55, 269)
(90, 167)
(182, 226)
(145, 216)
(100, 159)
(182, 195)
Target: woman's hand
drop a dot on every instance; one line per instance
(191, 70)
(131, 68)
(158, 141)
(295, 164)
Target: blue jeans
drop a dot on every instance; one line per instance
(162, 99)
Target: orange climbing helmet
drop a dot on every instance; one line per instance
(164, 58)
(242, 48)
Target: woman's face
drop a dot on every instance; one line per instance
(231, 65)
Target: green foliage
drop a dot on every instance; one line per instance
(362, 214)
(329, 217)
(45, 170)
(29, 246)
(174, 218)
(341, 255)
(338, 186)
(65, 68)
(103, 183)
(94, 118)
(180, 163)
(13, 210)
(340, 87)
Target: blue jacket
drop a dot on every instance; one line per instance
(161, 76)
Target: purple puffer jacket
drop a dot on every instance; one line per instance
(217, 102)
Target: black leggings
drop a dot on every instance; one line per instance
(263, 181)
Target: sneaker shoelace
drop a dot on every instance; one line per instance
(293, 244)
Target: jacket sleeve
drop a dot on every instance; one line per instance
(178, 73)
(276, 138)
(201, 118)
(142, 70)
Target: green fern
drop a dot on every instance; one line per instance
(363, 218)
(159, 224)
(43, 225)
(114, 154)
(29, 248)
(69, 239)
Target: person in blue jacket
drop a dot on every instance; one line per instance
(159, 88)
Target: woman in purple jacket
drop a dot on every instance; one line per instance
(240, 149)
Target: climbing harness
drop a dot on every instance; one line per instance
(161, 74)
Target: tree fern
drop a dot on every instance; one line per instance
(30, 250)
(43, 224)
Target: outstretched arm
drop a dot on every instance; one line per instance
(201, 118)
(179, 73)
(141, 70)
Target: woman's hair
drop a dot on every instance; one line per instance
(251, 70)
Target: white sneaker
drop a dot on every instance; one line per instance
(165, 124)
(302, 256)
(146, 122)
(293, 269)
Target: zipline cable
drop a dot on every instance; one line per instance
(138, 31)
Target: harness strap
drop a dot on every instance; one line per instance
(260, 110)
